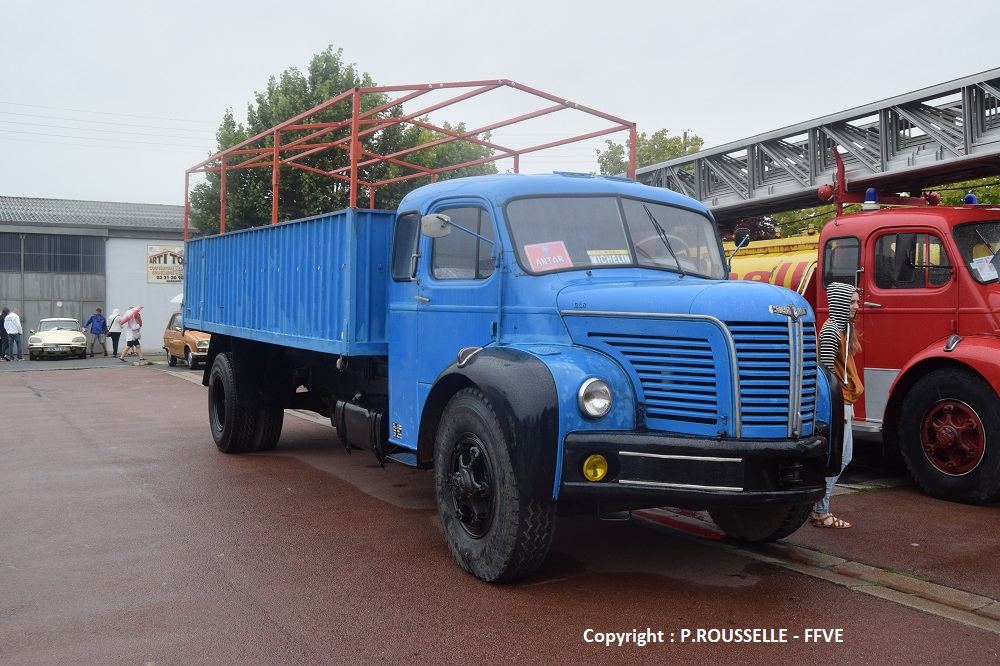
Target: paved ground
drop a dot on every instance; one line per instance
(128, 539)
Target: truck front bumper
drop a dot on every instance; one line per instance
(653, 469)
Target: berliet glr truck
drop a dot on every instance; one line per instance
(546, 344)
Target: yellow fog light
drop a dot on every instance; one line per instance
(595, 467)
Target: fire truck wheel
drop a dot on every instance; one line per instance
(494, 530)
(268, 430)
(945, 428)
(233, 426)
(760, 524)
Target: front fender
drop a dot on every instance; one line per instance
(522, 393)
(980, 354)
(533, 391)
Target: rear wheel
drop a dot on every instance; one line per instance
(233, 426)
(494, 530)
(171, 359)
(760, 523)
(945, 428)
(268, 430)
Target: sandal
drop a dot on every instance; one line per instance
(827, 520)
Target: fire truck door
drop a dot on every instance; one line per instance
(910, 300)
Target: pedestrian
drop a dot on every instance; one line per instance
(4, 340)
(96, 327)
(838, 345)
(115, 329)
(12, 324)
(132, 331)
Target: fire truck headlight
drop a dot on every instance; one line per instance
(594, 398)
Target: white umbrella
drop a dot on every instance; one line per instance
(179, 298)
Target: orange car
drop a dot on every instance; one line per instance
(180, 342)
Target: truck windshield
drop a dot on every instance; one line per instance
(979, 244)
(566, 233)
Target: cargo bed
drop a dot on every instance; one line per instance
(319, 283)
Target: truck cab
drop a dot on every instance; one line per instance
(929, 332)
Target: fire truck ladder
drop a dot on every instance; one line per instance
(942, 134)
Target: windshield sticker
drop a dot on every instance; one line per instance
(547, 256)
(987, 269)
(607, 257)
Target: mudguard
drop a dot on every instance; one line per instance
(522, 392)
(980, 354)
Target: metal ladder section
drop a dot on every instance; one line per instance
(942, 134)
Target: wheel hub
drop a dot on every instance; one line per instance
(471, 481)
(952, 437)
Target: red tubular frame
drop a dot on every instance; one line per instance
(244, 155)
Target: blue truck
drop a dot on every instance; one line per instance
(547, 344)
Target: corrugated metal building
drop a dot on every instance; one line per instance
(65, 258)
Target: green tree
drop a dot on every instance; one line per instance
(659, 147)
(987, 191)
(303, 193)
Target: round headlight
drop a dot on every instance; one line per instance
(594, 398)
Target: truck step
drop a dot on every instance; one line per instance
(407, 458)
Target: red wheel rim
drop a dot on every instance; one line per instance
(952, 437)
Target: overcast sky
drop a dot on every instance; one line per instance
(112, 101)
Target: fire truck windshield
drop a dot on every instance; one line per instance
(979, 243)
(567, 233)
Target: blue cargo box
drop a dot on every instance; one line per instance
(320, 283)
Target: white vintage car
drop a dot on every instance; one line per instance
(57, 337)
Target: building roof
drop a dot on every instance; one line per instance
(94, 214)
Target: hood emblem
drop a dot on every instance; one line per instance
(788, 311)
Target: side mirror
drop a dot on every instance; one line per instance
(435, 225)
(904, 260)
(741, 237)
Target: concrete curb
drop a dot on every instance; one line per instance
(966, 608)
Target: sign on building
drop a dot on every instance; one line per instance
(165, 264)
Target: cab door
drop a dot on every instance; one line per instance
(910, 301)
(445, 296)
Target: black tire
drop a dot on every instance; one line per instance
(32, 357)
(189, 359)
(945, 428)
(233, 426)
(171, 359)
(760, 524)
(494, 530)
(268, 430)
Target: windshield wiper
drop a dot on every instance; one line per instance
(663, 237)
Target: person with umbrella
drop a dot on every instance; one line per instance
(131, 323)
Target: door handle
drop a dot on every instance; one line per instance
(421, 299)
(872, 305)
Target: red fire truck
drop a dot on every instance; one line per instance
(929, 326)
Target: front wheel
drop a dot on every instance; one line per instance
(945, 426)
(189, 359)
(494, 530)
(760, 524)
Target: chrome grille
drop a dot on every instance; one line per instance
(771, 358)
